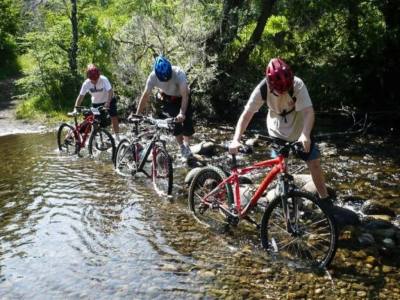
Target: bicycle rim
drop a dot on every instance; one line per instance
(125, 159)
(296, 229)
(66, 139)
(102, 145)
(162, 172)
(207, 208)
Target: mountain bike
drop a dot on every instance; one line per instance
(294, 226)
(72, 138)
(134, 154)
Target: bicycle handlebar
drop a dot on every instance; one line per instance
(282, 147)
(83, 109)
(159, 123)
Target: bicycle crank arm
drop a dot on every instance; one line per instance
(252, 221)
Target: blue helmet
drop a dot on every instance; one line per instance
(162, 68)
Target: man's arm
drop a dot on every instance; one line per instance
(241, 126)
(109, 98)
(308, 119)
(79, 100)
(184, 90)
(142, 102)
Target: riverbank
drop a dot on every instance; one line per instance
(9, 124)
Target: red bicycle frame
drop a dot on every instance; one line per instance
(278, 165)
(81, 137)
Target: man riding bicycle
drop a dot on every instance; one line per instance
(174, 94)
(99, 87)
(290, 117)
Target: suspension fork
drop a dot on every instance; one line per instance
(284, 186)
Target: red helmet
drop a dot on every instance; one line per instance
(92, 72)
(279, 75)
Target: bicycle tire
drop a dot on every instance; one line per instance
(208, 211)
(125, 158)
(312, 238)
(66, 139)
(162, 171)
(101, 142)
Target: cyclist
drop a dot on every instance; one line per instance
(290, 118)
(174, 94)
(99, 87)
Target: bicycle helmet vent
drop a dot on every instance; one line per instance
(162, 68)
(279, 76)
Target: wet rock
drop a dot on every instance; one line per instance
(204, 148)
(384, 233)
(387, 269)
(372, 224)
(389, 243)
(302, 179)
(381, 217)
(366, 239)
(252, 142)
(371, 207)
(311, 188)
(353, 200)
(361, 293)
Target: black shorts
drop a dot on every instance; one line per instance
(112, 109)
(172, 108)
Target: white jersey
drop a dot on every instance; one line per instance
(170, 87)
(98, 91)
(289, 127)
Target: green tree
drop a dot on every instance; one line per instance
(9, 25)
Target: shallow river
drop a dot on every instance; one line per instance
(71, 228)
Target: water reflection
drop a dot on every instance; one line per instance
(69, 228)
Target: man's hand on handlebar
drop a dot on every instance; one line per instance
(234, 147)
(305, 141)
(180, 118)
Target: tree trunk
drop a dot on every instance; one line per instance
(227, 29)
(73, 51)
(266, 11)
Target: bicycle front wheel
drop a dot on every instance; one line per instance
(295, 228)
(207, 200)
(162, 172)
(125, 158)
(101, 144)
(66, 139)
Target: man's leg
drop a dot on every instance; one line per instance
(186, 140)
(318, 177)
(115, 124)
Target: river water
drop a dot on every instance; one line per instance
(71, 228)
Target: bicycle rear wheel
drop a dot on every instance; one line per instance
(66, 139)
(125, 158)
(206, 207)
(162, 172)
(296, 228)
(101, 144)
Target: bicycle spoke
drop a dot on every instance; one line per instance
(206, 201)
(299, 232)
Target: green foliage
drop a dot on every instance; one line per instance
(346, 51)
(9, 25)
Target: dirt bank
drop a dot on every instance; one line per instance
(8, 104)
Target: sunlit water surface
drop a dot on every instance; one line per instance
(71, 228)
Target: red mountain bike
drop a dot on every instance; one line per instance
(294, 226)
(72, 138)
